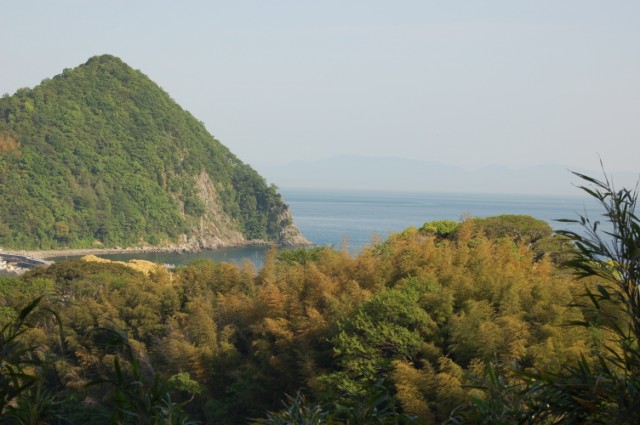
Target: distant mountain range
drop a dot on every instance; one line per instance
(393, 173)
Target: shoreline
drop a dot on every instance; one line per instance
(44, 256)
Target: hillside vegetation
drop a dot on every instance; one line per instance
(101, 156)
(409, 331)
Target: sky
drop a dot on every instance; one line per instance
(466, 83)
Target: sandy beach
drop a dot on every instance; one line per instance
(52, 253)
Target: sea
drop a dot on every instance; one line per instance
(352, 219)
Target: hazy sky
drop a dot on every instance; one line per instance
(467, 83)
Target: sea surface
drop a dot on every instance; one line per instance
(352, 219)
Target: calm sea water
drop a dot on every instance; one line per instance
(356, 218)
(328, 217)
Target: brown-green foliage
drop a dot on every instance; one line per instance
(401, 330)
(490, 301)
(523, 228)
(603, 388)
(518, 227)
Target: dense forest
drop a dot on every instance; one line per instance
(493, 321)
(101, 156)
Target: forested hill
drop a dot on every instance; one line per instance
(101, 156)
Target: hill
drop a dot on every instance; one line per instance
(100, 156)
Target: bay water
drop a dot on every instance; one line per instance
(349, 219)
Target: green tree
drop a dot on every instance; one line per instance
(440, 228)
(390, 327)
(518, 227)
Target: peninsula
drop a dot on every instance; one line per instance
(101, 158)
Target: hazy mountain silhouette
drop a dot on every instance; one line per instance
(393, 173)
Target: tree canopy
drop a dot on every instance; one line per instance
(402, 331)
(101, 155)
